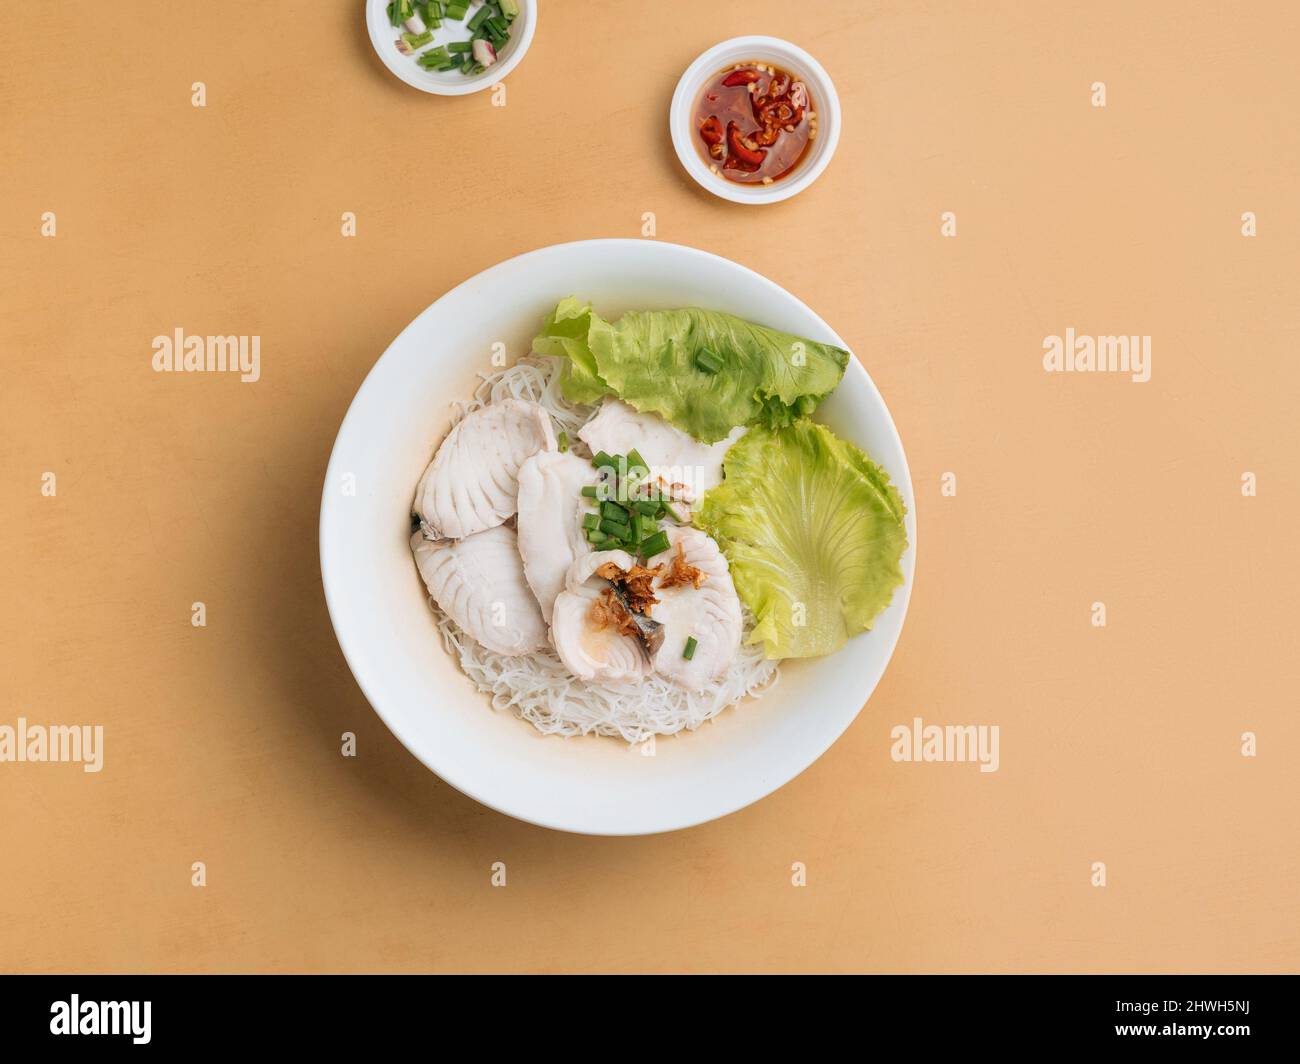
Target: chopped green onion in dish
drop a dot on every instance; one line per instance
(488, 26)
(595, 535)
(436, 59)
(562, 440)
(688, 651)
(591, 521)
(418, 40)
(399, 11)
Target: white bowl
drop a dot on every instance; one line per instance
(386, 628)
(383, 37)
(787, 56)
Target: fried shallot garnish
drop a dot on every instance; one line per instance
(682, 572)
(606, 610)
(637, 584)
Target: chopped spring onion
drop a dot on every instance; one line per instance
(635, 461)
(591, 491)
(591, 521)
(489, 27)
(399, 11)
(613, 511)
(603, 461)
(655, 544)
(436, 59)
(615, 528)
(562, 441)
(644, 506)
(595, 535)
(707, 361)
(688, 651)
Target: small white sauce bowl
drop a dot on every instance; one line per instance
(781, 54)
(383, 36)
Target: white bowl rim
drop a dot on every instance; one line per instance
(330, 502)
(404, 68)
(681, 111)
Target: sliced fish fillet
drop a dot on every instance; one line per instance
(478, 581)
(710, 613)
(551, 536)
(473, 481)
(673, 455)
(596, 654)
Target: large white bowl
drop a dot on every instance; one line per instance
(593, 785)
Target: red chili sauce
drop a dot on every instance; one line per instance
(754, 122)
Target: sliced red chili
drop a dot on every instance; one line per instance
(711, 130)
(743, 152)
(740, 77)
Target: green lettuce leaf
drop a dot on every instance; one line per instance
(566, 334)
(648, 359)
(813, 530)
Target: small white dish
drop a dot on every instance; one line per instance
(786, 56)
(380, 609)
(384, 37)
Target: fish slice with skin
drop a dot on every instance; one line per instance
(617, 428)
(551, 506)
(472, 483)
(709, 613)
(601, 655)
(478, 581)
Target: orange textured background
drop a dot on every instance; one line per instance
(1119, 744)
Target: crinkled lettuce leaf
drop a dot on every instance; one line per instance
(813, 530)
(567, 334)
(648, 359)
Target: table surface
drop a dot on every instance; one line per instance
(1120, 744)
